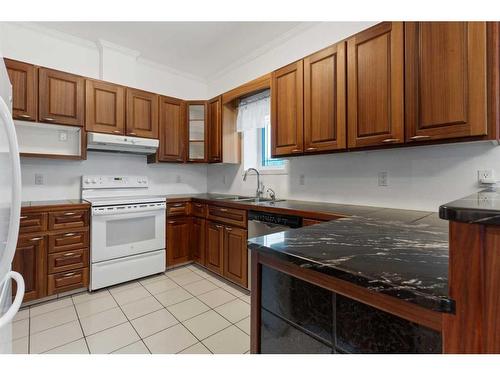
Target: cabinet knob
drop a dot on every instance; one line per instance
(390, 140)
(419, 137)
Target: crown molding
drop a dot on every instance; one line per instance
(104, 44)
(168, 69)
(54, 33)
(262, 50)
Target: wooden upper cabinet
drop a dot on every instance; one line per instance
(375, 64)
(445, 72)
(173, 130)
(104, 107)
(325, 100)
(215, 130)
(287, 110)
(61, 97)
(142, 113)
(24, 80)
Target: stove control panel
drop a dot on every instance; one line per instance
(114, 182)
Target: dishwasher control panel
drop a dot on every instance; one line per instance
(277, 219)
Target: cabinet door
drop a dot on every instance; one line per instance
(30, 261)
(173, 132)
(236, 255)
(198, 240)
(215, 130)
(214, 247)
(142, 114)
(325, 100)
(24, 80)
(60, 97)
(104, 107)
(287, 110)
(375, 86)
(445, 80)
(178, 232)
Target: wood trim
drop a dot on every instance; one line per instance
(405, 310)
(197, 102)
(493, 73)
(252, 87)
(255, 305)
(82, 205)
(462, 330)
(214, 136)
(492, 291)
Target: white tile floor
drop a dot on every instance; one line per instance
(184, 310)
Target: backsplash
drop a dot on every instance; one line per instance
(61, 178)
(420, 178)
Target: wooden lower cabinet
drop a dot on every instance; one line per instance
(198, 240)
(214, 247)
(30, 261)
(178, 234)
(236, 255)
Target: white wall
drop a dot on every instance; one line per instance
(40, 46)
(62, 177)
(419, 178)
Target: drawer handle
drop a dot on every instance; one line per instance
(68, 274)
(116, 131)
(48, 119)
(68, 255)
(223, 209)
(171, 222)
(390, 140)
(218, 226)
(25, 116)
(296, 150)
(34, 239)
(23, 217)
(69, 213)
(178, 205)
(198, 205)
(417, 137)
(229, 229)
(69, 235)
(311, 148)
(132, 133)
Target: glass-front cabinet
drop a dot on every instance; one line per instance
(197, 131)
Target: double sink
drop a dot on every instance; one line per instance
(238, 198)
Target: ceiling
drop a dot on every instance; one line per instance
(201, 49)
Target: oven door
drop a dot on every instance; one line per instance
(123, 231)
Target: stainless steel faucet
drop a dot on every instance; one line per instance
(260, 190)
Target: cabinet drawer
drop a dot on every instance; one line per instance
(62, 282)
(68, 219)
(66, 261)
(31, 223)
(177, 209)
(199, 209)
(68, 241)
(226, 215)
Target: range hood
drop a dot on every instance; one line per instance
(121, 143)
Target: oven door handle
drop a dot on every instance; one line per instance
(97, 211)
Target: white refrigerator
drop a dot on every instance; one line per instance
(10, 207)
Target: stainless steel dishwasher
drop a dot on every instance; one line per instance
(263, 223)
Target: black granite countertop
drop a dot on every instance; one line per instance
(479, 208)
(389, 251)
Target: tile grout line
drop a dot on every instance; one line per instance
(81, 327)
(129, 322)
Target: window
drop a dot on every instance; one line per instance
(265, 141)
(254, 122)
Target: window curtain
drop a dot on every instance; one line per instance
(254, 112)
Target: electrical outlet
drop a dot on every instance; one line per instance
(39, 179)
(486, 176)
(302, 179)
(63, 136)
(383, 178)
(178, 179)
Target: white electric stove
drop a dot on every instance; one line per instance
(127, 229)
